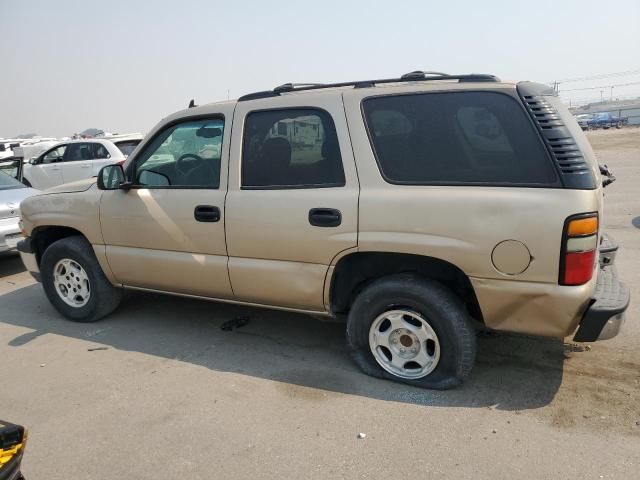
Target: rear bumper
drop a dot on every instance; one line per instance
(605, 315)
(28, 256)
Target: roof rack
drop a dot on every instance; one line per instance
(415, 76)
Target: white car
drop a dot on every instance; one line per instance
(12, 192)
(76, 160)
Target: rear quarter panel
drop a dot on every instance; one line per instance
(463, 224)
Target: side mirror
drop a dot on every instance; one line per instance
(111, 177)
(33, 161)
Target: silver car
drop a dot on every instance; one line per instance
(12, 192)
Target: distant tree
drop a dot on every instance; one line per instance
(27, 135)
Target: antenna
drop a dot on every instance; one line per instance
(192, 103)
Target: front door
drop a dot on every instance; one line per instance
(167, 232)
(47, 172)
(292, 205)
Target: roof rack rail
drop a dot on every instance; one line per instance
(289, 87)
(415, 76)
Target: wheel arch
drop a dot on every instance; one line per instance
(43, 236)
(355, 271)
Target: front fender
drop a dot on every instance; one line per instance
(78, 210)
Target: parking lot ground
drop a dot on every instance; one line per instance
(171, 395)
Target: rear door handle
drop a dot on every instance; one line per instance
(325, 217)
(206, 213)
(85, 165)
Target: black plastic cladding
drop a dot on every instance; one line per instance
(573, 168)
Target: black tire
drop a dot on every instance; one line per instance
(444, 312)
(104, 297)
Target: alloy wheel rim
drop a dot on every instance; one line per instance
(71, 283)
(404, 344)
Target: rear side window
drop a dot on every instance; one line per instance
(292, 148)
(100, 151)
(456, 138)
(127, 146)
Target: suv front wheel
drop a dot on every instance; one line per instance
(75, 283)
(414, 330)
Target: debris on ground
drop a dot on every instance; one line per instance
(362, 435)
(238, 322)
(97, 348)
(574, 347)
(42, 364)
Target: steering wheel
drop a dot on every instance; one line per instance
(188, 162)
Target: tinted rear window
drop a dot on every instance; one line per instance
(456, 138)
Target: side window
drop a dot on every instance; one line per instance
(79, 151)
(292, 148)
(127, 147)
(100, 152)
(54, 155)
(483, 131)
(185, 155)
(456, 138)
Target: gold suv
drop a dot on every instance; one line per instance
(416, 206)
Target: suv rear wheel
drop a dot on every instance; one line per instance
(413, 330)
(75, 283)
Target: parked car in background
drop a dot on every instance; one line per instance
(126, 143)
(7, 146)
(12, 192)
(584, 120)
(75, 160)
(607, 120)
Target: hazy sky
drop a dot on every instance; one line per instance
(123, 65)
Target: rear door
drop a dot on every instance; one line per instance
(77, 161)
(292, 205)
(104, 154)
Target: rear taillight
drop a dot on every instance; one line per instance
(579, 249)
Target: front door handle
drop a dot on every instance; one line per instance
(207, 213)
(325, 217)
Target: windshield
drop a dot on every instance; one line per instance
(7, 182)
(128, 146)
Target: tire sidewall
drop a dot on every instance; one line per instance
(60, 250)
(434, 303)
